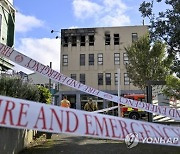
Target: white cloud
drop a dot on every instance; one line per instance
(85, 9)
(26, 23)
(105, 13)
(44, 50)
(114, 20)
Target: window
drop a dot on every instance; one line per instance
(116, 78)
(125, 58)
(74, 40)
(100, 58)
(116, 39)
(108, 78)
(107, 39)
(100, 78)
(65, 60)
(134, 37)
(82, 78)
(91, 40)
(65, 41)
(7, 21)
(91, 59)
(82, 43)
(126, 79)
(116, 58)
(73, 76)
(82, 59)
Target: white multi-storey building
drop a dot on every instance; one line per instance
(92, 56)
(7, 25)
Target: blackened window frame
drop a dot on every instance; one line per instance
(74, 40)
(116, 39)
(107, 39)
(65, 41)
(82, 40)
(91, 40)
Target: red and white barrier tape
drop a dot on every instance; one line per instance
(34, 65)
(23, 114)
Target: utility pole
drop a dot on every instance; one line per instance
(58, 37)
(119, 91)
(49, 78)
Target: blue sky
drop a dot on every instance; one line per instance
(36, 18)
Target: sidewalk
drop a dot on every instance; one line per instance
(68, 144)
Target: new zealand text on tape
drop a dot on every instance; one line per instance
(23, 114)
(34, 65)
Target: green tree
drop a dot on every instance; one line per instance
(146, 61)
(16, 87)
(165, 26)
(45, 95)
(173, 87)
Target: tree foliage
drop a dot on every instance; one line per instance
(165, 26)
(146, 61)
(173, 87)
(45, 95)
(16, 87)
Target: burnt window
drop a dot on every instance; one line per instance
(65, 60)
(134, 37)
(91, 59)
(91, 40)
(65, 43)
(100, 58)
(100, 78)
(107, 39)
(82, 59)
(108, 78)
(74, 40)
(82, 78)
(73, 76)
(82, 41)
(116, 39)
(116, 58)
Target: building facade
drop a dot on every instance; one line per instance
(7, 25)
(92, 56)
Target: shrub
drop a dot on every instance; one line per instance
(45, 95)
(16, 87)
